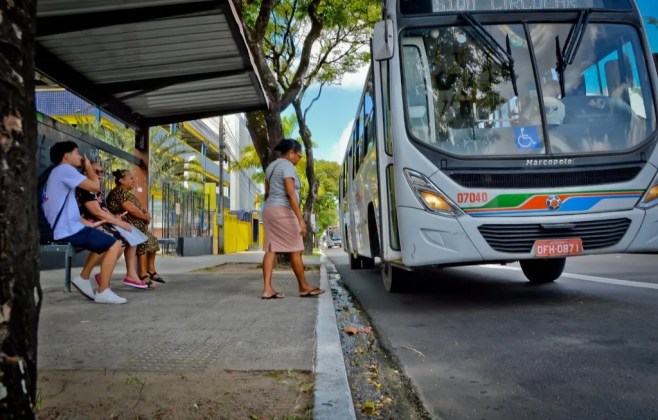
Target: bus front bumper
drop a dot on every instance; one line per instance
(429, 239)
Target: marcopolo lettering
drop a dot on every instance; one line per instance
(549, 162)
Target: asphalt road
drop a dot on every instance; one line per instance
(482, 343)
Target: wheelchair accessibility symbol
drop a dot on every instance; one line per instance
(527, 138)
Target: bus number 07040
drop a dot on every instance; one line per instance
(472, 198)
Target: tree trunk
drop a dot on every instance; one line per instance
(266, 131)
(313, 183)
(20, 292)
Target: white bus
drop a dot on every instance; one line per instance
(493, 131)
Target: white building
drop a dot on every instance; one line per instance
(241, 192)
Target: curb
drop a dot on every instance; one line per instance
(332, 395)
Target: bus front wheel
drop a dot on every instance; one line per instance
(392, 277)
(543, 271)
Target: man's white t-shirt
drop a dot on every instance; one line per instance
(62, 182)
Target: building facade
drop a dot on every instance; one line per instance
(214, 143)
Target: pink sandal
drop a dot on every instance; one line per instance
(134, 283)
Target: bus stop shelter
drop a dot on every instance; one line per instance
(149, 62)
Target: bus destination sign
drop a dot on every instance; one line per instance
(441, 6)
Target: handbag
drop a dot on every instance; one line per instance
(134, 237)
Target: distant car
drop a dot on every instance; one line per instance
(331, 239)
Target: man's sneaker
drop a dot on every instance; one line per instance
(83, 286)
(97, 277)
(108, 296)
(134, 283)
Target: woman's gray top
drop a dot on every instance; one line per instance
(275, 173)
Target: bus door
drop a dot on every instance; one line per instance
(388, 225)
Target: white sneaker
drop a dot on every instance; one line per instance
(83, 286)
(108, 296)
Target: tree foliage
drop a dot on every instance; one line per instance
(295, 44)
(169, 162)
(326, 206)
(118, 136)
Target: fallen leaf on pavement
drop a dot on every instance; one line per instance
(351, 330)
(369, 406)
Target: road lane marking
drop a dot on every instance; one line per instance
(595, 279)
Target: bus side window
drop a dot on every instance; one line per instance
(351, 156)
(355, 152)
(370, 133)
(364, 141)
(344, 180)
(358, 142)
(369, 125)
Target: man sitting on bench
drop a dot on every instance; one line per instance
(61, 209)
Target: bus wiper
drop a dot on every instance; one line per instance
(567, 53)
(501, 55)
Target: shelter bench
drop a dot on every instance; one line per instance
(165, 243)
(69, 251)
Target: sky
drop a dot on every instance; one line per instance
(330, 118)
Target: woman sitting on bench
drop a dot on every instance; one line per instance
(122, 200)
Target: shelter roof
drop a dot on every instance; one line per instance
(149, 62)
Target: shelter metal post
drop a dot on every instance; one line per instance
(220, 209)
(142, 171)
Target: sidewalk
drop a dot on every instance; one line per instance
(204, 334)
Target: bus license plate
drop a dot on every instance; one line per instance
(558, 247)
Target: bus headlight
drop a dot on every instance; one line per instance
(650, 197)
(429, 195)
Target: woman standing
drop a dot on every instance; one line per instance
(120, 200)
(282, 219)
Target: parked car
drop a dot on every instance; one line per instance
(331, 239)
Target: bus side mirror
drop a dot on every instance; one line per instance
(382, 40)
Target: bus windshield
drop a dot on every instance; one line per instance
(462, 99)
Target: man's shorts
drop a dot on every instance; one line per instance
(91, 239)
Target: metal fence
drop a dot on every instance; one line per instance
(181, 213)
(178, 213)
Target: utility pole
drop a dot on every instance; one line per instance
(220, 215)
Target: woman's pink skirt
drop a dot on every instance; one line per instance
(282, 230)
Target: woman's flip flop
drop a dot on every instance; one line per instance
(276, 295)
(315, 292)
